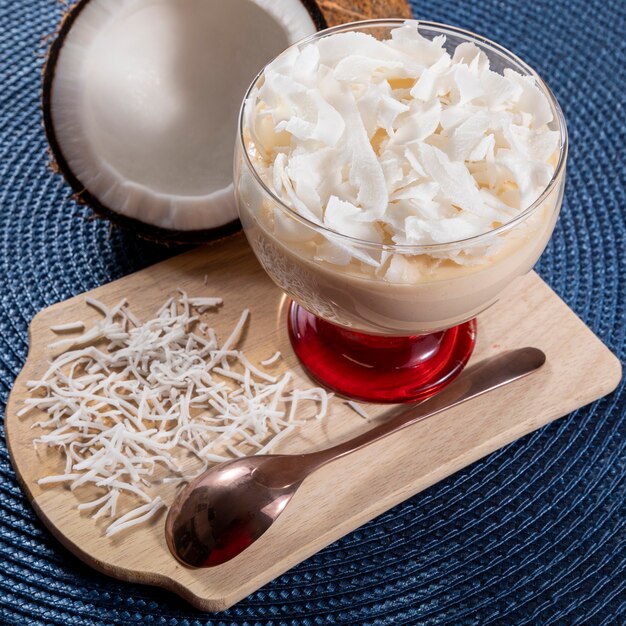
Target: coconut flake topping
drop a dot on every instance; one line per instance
(131, 404)
(399, 141)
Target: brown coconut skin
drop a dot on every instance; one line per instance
(324, 13)
(337, 12)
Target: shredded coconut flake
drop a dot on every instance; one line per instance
(65, 328)
(277, 355)
(157, 401)
(357, 408)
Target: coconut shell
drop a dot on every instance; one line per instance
(324, 13)
(342, 11)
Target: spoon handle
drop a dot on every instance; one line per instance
(486, 375)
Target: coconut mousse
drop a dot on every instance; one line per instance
(396, 183)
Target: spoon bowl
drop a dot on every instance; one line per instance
(230, 506)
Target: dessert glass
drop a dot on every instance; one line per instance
(401, 336)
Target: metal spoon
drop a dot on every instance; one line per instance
(230, 506)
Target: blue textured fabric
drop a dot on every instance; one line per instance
(533, 534)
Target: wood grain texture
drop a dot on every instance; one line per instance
(345, 494)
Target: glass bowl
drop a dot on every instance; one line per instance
(400, 330)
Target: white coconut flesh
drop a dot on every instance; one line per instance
(145, 99)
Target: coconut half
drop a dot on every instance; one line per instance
(141, 99)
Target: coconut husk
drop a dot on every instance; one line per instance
(342, 11)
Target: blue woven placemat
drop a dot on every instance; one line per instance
(534, 534)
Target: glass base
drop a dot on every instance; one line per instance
(374, 368)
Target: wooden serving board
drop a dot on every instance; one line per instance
(345, 494)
